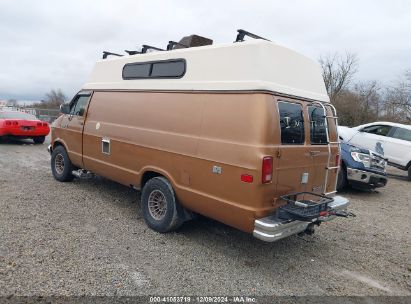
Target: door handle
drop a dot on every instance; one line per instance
(278, 154)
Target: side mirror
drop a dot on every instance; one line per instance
(65, 108)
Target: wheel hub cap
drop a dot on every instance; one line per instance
(157, 205)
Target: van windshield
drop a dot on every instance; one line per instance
(318, 130)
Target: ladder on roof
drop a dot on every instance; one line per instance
(330, 165)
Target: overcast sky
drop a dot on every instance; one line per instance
(54, 44)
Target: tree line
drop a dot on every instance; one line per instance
(360, 102)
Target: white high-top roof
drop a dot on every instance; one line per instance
(250, 65)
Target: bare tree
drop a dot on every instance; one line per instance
(397, 105)
(55, 97)
(338, 71)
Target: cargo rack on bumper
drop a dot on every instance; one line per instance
(273, 228)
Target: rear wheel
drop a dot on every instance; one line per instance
(342, 178)
(39, 139)
(161, 210)
(61, 166)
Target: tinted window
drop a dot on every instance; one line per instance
(318, 130)
(168, 69)
(17, 115)
(79, 106)
(378, 130)
(403, 134)
(291, 123)
(136, 70)
(156, 69)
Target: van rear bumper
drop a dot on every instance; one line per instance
(271, 228)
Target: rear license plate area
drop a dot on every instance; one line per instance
(25, 128)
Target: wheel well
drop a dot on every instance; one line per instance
(56, 144)
(147, 176)
(408, 165)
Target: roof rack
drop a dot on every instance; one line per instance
(242, 33)
(149, 47)
(172, 44)
(106, 54)
(132, 52)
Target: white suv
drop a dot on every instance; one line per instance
(389, 139)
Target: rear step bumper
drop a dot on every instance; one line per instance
(271, 228)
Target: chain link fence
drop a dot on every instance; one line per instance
(48, 115)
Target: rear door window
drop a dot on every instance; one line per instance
(403, 134)
(291, 123)
(318, 130)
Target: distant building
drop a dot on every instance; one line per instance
(3, 103)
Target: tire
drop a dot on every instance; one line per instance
(342, 178)
(39, 139)
(409, 173)
(61, 166)
(167, 214)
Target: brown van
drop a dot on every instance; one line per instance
(242, 133)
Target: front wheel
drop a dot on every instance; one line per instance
(160, 208)
(61, 166)
(39, 139)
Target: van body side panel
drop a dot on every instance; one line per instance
(132, 121)
(186, 136)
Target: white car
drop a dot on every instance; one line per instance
(389, 139)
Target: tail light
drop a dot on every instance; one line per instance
(39, 124)
(15, 123)
(247, 178)
(267, 170)
(45, 124)
(8, 123)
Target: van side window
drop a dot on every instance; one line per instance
(318, 131)
(291, 123)
(174, 68)
(136, 71)
(79, 106)
(403, 134)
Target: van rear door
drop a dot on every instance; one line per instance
(294, 168)
(323, 154)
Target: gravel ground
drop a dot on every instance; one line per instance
(88, 238)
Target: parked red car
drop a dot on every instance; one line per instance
(23, 125)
